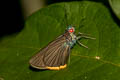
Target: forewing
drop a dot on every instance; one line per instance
(50, 52)
(57, 57)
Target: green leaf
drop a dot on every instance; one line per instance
(100, 62)
(115, 4)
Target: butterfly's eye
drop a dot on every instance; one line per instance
(71, 30)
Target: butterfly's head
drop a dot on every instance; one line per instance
(71, 29)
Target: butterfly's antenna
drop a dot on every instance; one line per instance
(66, 15)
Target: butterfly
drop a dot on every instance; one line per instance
(56, 54)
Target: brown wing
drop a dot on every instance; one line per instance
(54, 55)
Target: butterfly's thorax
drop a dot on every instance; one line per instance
(70, 39)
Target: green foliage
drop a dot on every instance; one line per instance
(115, 4)
(100, 62)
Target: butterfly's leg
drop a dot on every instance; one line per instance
(82, 44)
(82, 35)
(87, 37)
(78, 37)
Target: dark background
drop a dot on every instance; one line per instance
(11, 17)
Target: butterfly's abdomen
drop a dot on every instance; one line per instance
(70, 43)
